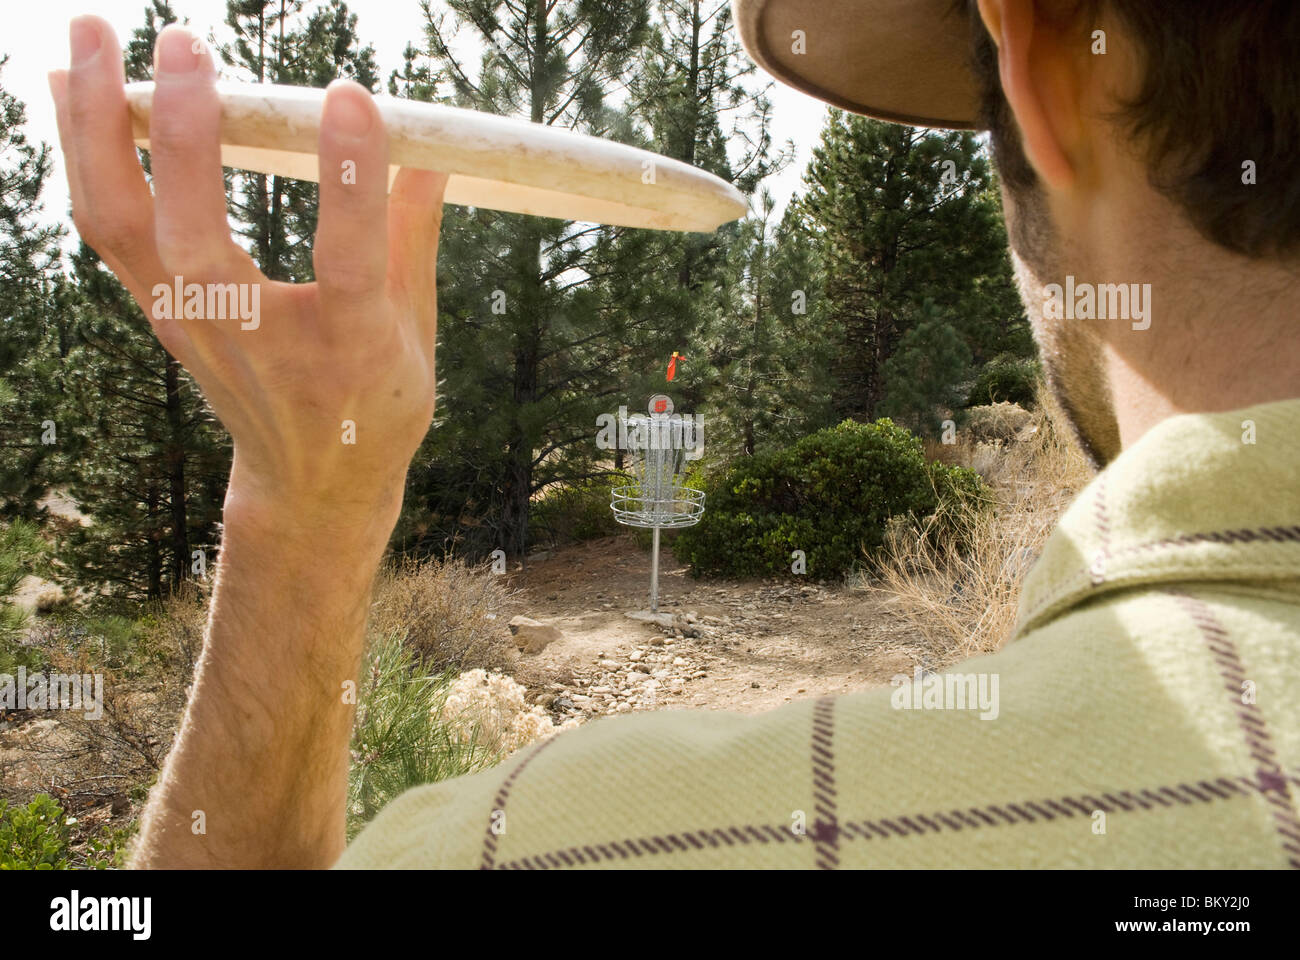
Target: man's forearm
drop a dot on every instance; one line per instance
(258, 774)
(325, 401)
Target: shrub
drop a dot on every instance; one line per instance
(831, 495)
(398, 740)
(996, 422)
(171, 633)
(109, 848)
(575, 512)
(960, 594)
(1006, 379)
(961, 500)
(147, 666)
(448, 612)
(21, 552)
(34, 837)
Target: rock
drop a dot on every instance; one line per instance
(635, 656)
(656, 641)
(532, 636)
(679, 661)
(37, 730)
(664, 620)
(562, 703)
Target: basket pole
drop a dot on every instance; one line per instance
(654, 573)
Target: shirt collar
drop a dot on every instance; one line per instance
(1205, 496)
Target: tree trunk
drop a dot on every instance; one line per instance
(518, 482)
(175, 459)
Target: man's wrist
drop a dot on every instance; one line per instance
(351, 522)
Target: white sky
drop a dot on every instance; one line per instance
(35, 36)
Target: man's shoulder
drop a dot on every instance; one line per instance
(1103, 738)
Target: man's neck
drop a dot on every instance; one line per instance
(1221, 337)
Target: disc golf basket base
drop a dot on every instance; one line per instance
(657, 445)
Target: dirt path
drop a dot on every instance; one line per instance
(744, 646)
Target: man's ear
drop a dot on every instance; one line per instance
(1038, 68)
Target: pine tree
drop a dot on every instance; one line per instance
(903, 215)
(926, 375)
(529, 337)
(145, 459)
(772, 347)
(697, 93)
(31, 329)
(417, 80)
(277, 41)
(148, 463)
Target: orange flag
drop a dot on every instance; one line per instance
(672, 365)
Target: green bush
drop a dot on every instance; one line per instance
(21, 552)
(831, 495)
(34, 837)
(575, 512)
(397, 743)
(960, 496)
(108, 850)
(1006, 379)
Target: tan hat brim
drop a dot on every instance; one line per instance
(907, 61)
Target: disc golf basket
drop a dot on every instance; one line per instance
(657, 444)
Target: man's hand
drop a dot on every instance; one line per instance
(258, 774)
(357, 345)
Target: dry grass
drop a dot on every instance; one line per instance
(449, 613)
(963, 603)
(143, 696)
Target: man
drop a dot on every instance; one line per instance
(1143, 715)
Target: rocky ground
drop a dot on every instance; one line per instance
(722, 645)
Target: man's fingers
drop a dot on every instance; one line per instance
(111, 203)
(193, 232)
(414, 219)
(351, 252)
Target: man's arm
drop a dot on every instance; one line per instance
(326, 397)
(261, 761)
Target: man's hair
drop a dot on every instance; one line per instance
(1220, 86)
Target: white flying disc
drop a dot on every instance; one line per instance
(495, 162)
